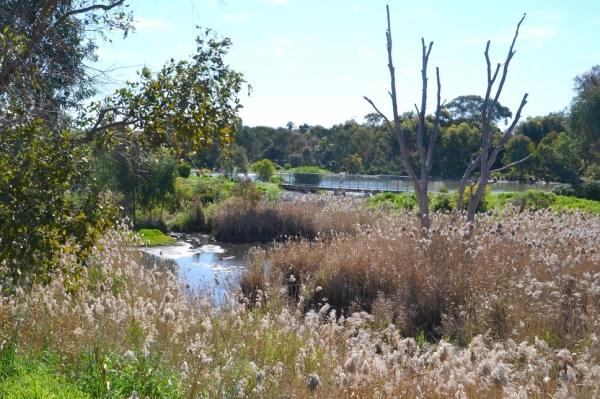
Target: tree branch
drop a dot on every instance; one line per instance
(511, 164)
(103, 7)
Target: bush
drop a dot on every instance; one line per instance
(277, 180)
(564, 189)
(441, 202)
(264, 168)
(399, 202)
(591, 190)
(469, 190)
(151, 224)
(308, 175)
(184, 170)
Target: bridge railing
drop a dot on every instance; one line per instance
(394, 183)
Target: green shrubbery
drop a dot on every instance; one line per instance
(308, 175)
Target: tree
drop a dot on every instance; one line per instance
(468, 109)
(489, 150)
(584, 118)
(536, 128)
(264, 168)
(459, 144)
(425, 153)
(44, 44)
(48, 204)
(517, 148)
(353, 163)
(233, 160)
(190, 105)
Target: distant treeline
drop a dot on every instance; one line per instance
(371, 148)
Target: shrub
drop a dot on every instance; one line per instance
(247, 191)
(591, 190)
(264, 169)
(564, 189)
(441, 202)
(277, 180)
(469, 190)
(184, 170)
(308, 175)
(398, 202)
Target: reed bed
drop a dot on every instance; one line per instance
(303, 216)
(517, 297)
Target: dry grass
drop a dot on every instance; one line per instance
(524, 295)
(302, 217)
(457, 282)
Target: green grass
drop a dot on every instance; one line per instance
(541, 200)
(34, 379)
(154, 237)
(398, 202)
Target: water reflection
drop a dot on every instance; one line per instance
(216, 267)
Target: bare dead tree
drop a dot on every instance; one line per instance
(489, 153)
(425, 153)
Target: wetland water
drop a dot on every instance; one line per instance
(216, 265)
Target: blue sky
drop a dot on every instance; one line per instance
(311, 61)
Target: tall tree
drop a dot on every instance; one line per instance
(425, 152)
(44, 44)
(468, 109)
(584, 119)
(489, 151)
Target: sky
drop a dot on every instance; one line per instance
(312, 61)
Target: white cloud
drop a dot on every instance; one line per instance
(280, 44)
(280, 2)
(365, 52)
(261, 52)
(291, 66)
(535, 33)
(236, 18)
(144, 24)
(357, 7)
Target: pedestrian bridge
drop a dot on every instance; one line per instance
(343, 183)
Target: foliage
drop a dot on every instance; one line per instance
(247, 191)
(534, 199)
(536, 128)
(45, 49)
(273, 194)
(308, 175)
(212, 190)
(353, 163)
(398, 202)
(279, 180)
(517, 148)
(295, 160)
(468, 109)
(566, 190)
(154, 237)
(470, 189)
(233, 161)
(584, 121)
(264, 169)
(184, 170)
(33, 378)
(459, 145)
(441, 202)
(47, 203)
